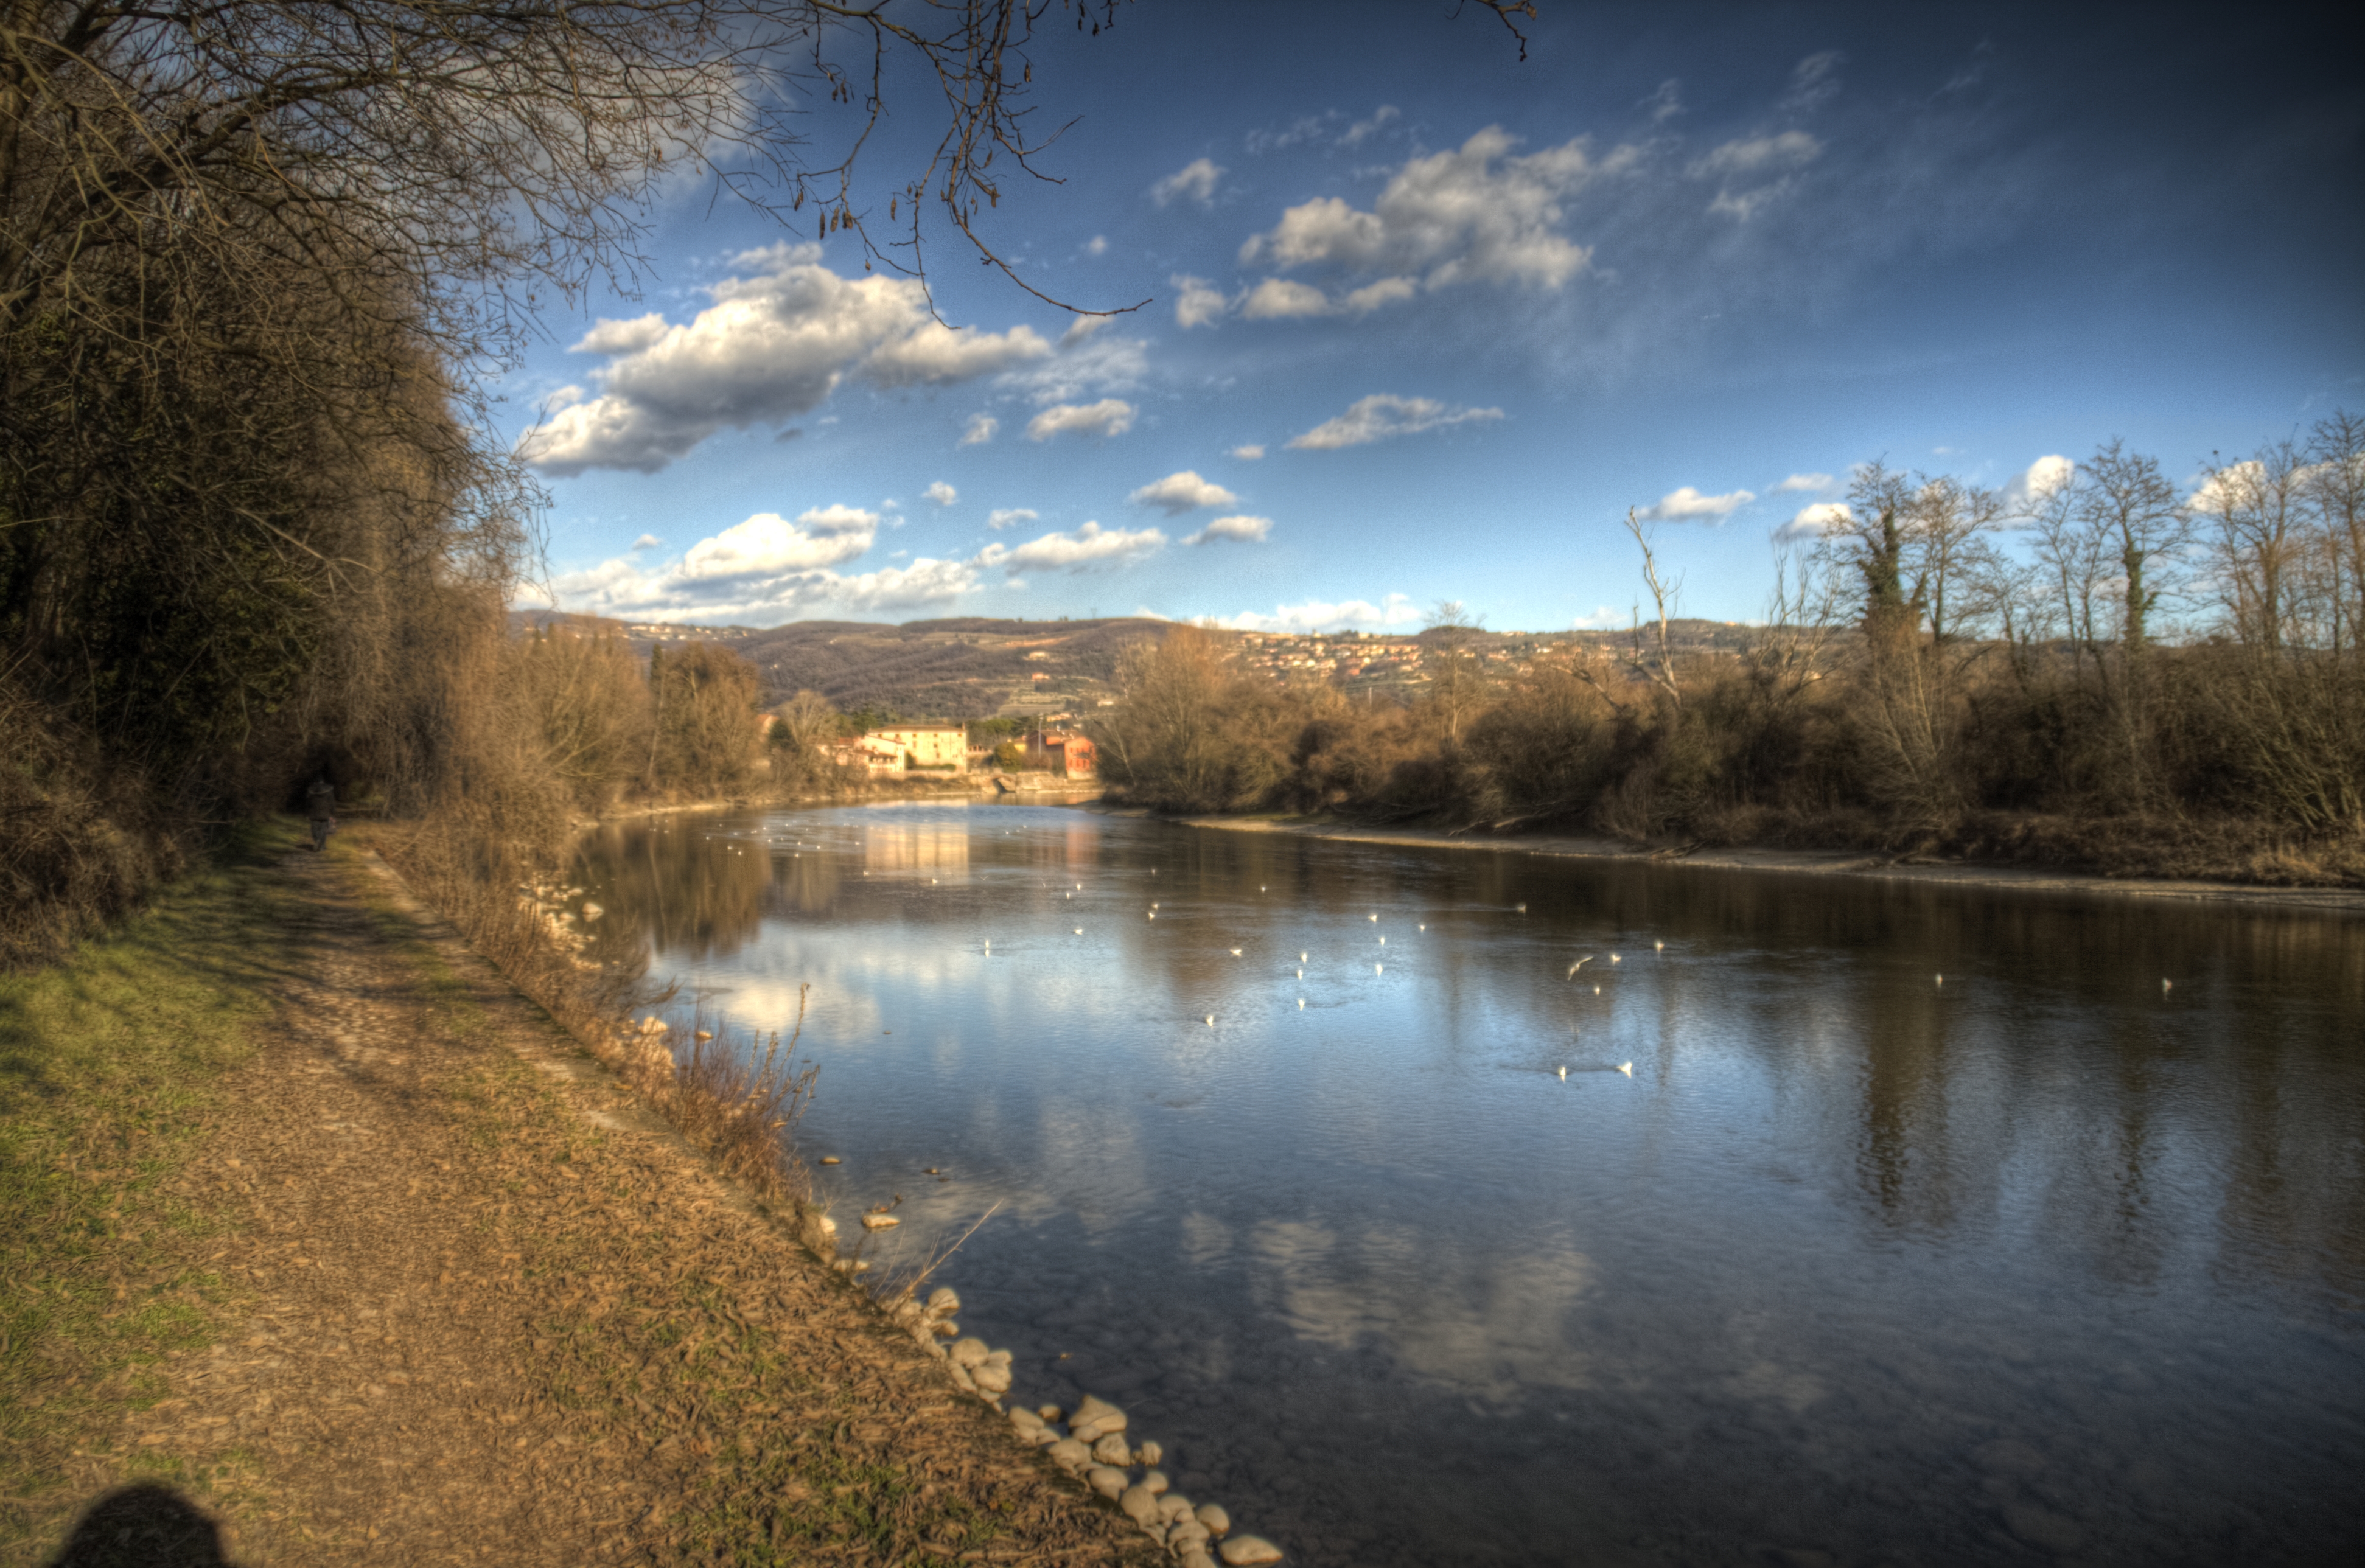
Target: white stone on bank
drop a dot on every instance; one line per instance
(1246, 1551)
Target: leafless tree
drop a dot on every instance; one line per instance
(1457, 675)
(2336, 493)
(1657, 663)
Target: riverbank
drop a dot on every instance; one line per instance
(1794, 862)
(326, 1246)
(1027, 789)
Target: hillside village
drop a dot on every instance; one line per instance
(1054, 673)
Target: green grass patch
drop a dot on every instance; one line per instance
(110, 1063)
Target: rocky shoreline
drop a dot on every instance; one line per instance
(1091, 1441)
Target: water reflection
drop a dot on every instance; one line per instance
(1850, 1248)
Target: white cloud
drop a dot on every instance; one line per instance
(1812, 484)
(1813, 82)
(1687, 504)
(1358, 133)
(782, 334)
(1319, 615)
(1603, 617)
(647, 542)
(1475, 214)
(944, 495)
(1091, 366)
(2028, 489)
(980, 431)
(1741, 208)
(1248, 454)
(1305, 127)
(1110, 416)
(1196, 179)
(1089, 546)
(1279, 298)
(768, 545)
(1080, 329)
(1247, 530)
(1096, 246)
(766, 567)
(1665, 104)
(1179, 493)
(1814, 522)
(1754, 171)
(1371, 296)
(1010, 516)
(1759, 155)
(1383, 416)
(620, 337)
(1198, 303)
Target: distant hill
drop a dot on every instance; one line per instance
(975, 667)
(964, 668)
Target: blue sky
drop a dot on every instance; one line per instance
(1425, 320)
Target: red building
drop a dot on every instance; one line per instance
(1063, 753)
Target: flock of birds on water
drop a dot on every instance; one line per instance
(1626, 1068)
(798, 846)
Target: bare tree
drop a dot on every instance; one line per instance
(2336, 492)
(1790, 654)
(2256, 511)
(2123, 499)
(1658, 665)
(1457, 675)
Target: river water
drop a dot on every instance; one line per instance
(1929, 1227)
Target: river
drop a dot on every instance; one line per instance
(1927, 1226)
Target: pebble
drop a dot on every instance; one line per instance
(1197, 1558)
(1174, 1504)
(1243, 1550)
(1106, 1481)
(1050, 1411)
(1156, 1480)
(1026, 1420)
(1212, 1515)
(880, 1222)
(1071, 1454)
(1096, 1417)
(1186, 1532)
(1139, 1503)
(1151, 1453)
(943, 1303)
(829, 1159)
(991, 1379)
(970, 1352)
(1111, 1450)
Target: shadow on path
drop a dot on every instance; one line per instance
(145, 1526)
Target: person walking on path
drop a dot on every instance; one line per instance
(320, 805)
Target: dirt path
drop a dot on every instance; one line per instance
(491, 1312)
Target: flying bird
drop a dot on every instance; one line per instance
(1626, 1068)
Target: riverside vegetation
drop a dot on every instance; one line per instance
(2120, 679)
(255, 526)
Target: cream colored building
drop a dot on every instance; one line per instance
(928, 746)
